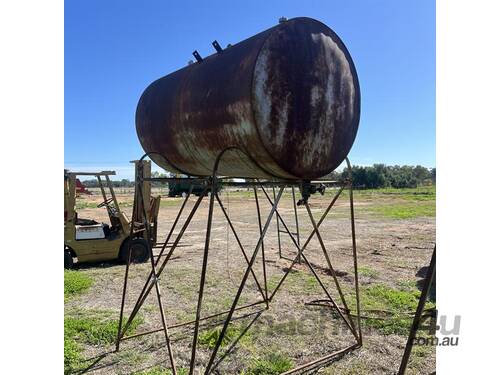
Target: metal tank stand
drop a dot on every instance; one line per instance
(262, 304)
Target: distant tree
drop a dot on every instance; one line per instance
(421, 174)
(402, 177)
(380, 175)
(358, 176)
(157, 174)
(333, 175)
(376, 176)
(90, 183)
(116, 183)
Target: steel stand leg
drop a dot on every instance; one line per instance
(418, 313)
(202, 278)
(262, 245)
(294, 200)
(124, 294)
(354, 250)
(277, 226)
(125, 281)
(155, 280)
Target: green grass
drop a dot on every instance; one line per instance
(424, 193)
(400, 304)
(75, 282)
(131, 357)
(81, 204)
(91, 327)
(405, 210)
(415, 194)
(73, 358)
(271, 364)
(407, 285)
(170, 202)
(367, 271)
(95, 327)
(297, 282)
(157, 370)
(394, 203)
(210, 336)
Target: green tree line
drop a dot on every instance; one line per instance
(116, 183)
(395, 176)
(124, 182)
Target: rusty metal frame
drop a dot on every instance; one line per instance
(430, 275)
(158, 265)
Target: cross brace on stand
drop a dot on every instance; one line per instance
(159, 263)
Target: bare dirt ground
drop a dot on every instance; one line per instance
(391, 251)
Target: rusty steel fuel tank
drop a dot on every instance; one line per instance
(285, 101)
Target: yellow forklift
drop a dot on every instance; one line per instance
(90, 241)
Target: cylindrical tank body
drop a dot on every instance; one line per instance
(285, 101)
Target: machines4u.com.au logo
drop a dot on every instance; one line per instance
(438, 330)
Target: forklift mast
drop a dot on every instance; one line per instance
(148, 205)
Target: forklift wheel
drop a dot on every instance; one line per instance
(68, 259)
(139, 248)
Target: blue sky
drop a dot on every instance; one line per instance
(114, 49)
